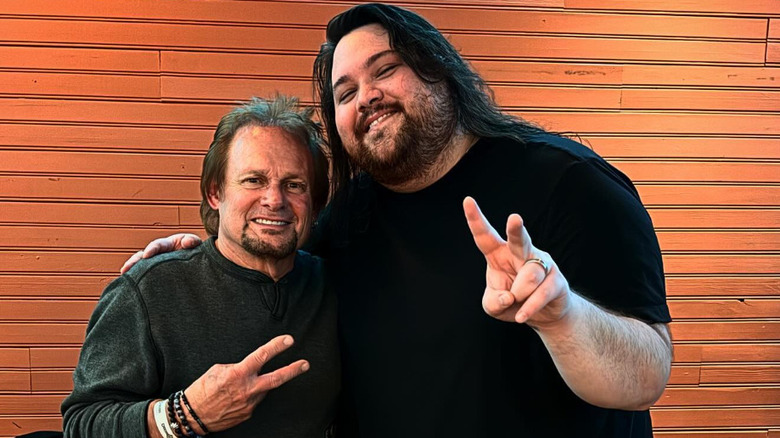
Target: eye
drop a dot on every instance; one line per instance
(386, 70)
(296, 186)
(346, 95)
(252, 181)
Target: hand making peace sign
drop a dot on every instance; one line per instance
(524, 284)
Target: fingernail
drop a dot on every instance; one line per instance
(305, 366)
(521, 317)
(503, 300)
(288, 340)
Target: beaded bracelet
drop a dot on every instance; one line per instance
(175, 426)
(192, 412)
(180, 413)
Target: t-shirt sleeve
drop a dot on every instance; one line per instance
(602, 239)
(116, 375)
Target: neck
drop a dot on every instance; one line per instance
(460, 143)
(274, 268)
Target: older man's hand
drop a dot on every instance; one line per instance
(226, 395)
(162, 245)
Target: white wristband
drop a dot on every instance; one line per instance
(161, 419)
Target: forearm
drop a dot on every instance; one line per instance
(609, 360)
(104, 418)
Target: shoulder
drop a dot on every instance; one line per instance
(308, 264)
(175, 261)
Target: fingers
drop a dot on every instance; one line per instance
(485, 236)
(135, 258)
(158, 246)
(190, 241)
(517, 237)
(551, 288)
(253, 363)
(499, 304)
(279, 377)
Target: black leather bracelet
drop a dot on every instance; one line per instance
(192, 412)
(180, 412)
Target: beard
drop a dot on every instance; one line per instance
(424, 134)
(266, 250)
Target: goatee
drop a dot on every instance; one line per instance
(263, 249)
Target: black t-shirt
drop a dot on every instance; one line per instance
(420, 356)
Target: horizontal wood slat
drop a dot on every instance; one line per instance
(703, 218)
(106, 189)
(84, 238)
(721, 264)
(79, 85)
(706, 195)
(52, 162)
(31, 404)
(683, 147)
(54, 285)
(63, 262)
(40, 334)
(607, 49)
(14, 425)
(773, 53)
(86, 214)
(755, 7)
(735, 308)
(14, 380)
(657, 123)
(708, 100)
(719, 241)
(718, 396)
(743, 374)
(722, 286)
(701, 76)
(697, 171)
(725, 331)
(61, 58)
(107, 138)
(720, 417)
(704, 353)
(46, 381)
(46, 310)
(158, 35)
(14, 358)
(54, 357)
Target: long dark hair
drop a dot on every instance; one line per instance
(433, 58)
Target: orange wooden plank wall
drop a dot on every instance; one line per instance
(106, 108)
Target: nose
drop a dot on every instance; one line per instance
(273, 197)
(368, 97)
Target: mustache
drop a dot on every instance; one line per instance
(360, 127)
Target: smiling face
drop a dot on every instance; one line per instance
(265, 205)
(392, 123)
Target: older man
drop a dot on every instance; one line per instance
(163, 326)
(571, 338)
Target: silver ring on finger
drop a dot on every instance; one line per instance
(541, 263)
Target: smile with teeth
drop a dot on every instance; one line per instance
(270, 222)
(379, 119)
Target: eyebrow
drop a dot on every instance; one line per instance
(371, 59)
